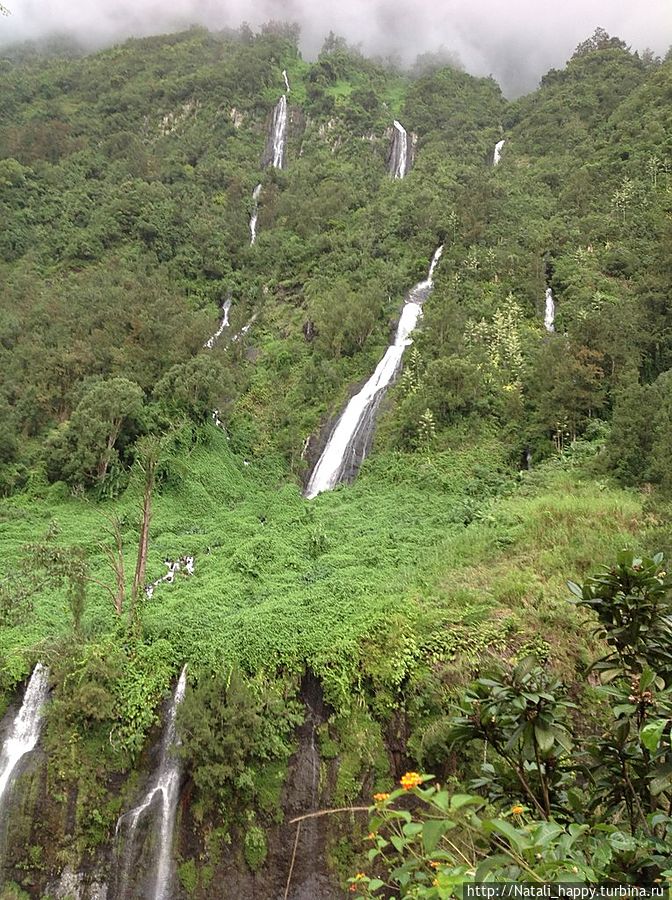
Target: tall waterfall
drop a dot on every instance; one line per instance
(284, 75)
(275, 149)
(255, 214)
(399, 155)
(350, 440)
(25, 729)
(497, 155)
(549, 313)
(226, 306)
(164, 790)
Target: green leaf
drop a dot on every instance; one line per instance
(662, 781)
(489, 863)
(544, 737)
(646, 679)
(517, 839)
(457, 801)
(432, 832)
(651, 734)
(620, 841)
(576, 589)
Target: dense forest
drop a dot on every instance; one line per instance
(183, 317)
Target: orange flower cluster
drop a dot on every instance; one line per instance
(360, 876)
(518, 810)
(410, 780)
(380, 798)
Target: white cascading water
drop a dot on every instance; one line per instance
(284, 75)
(164, 786)
(25, 729)
(255, 214)
(497, 155)
(348, 443)
(549, 312)
(279, 132)
(243, 331)
(399, 157)
(226, 306)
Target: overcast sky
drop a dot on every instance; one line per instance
(516, 41)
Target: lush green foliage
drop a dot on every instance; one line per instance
(126, 181)
(595, 810)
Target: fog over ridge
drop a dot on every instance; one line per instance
(515, 41)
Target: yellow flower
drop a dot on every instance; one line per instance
(371, 835)
(435, 883)
(380, 798)
(410, 780)
(360, 876)
(518, 810)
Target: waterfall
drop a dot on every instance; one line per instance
(399, 152)
(226, 306)
(549, 314)
(275, 148)
(164, 788)
(284, 75)
(497, 155)
(255, 214)
(25, 729)
(243, 331)
(350, 440)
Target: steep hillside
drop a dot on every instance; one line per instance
(208, 242)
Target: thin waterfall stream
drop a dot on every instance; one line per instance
(549, 311)
(25, 731)
(278, 134)
(212, 340)
(164, 789)
(255, 214)
(399, 154)
(350, 440)
(497, 155)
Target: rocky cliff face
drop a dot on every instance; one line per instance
(273, 857)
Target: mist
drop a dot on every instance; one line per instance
(515, 42)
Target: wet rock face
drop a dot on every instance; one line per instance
(72, 886)
(296, 865)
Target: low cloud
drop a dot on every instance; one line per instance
(516, 42)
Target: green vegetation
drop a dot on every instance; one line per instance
(590, 808)
(507, 458)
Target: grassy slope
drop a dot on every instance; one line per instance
(280, 581)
